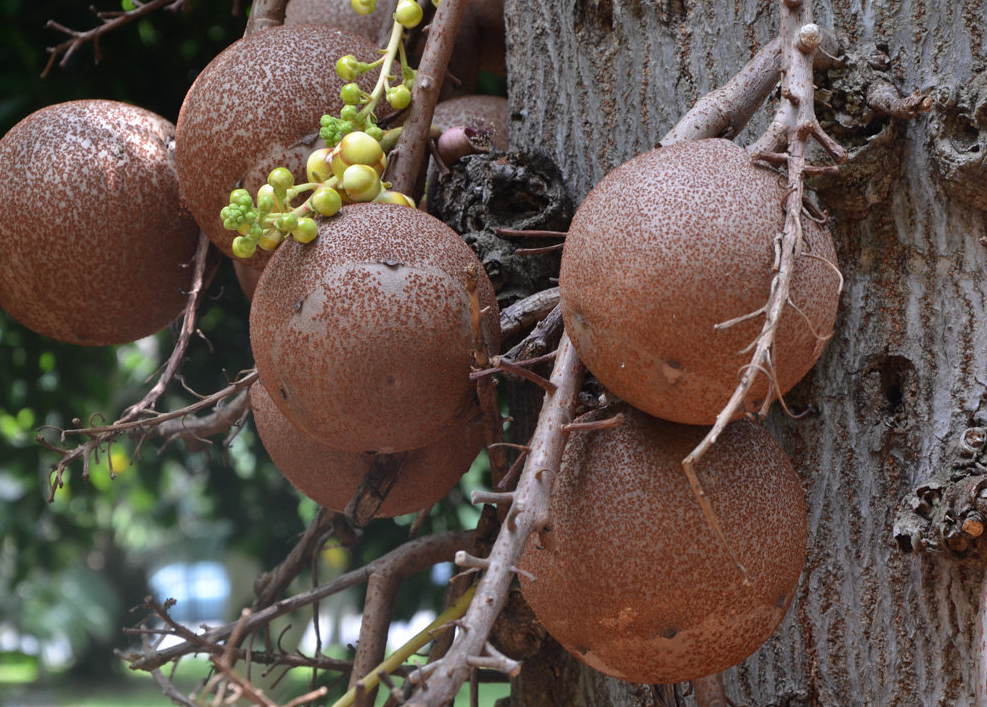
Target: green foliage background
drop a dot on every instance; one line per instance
(70, 569)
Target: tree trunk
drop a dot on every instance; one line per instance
(594, 82)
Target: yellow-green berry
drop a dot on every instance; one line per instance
(394, 197)
(326, 201)
(347, 67)
(306, 230)
(270, 239)
(408, 13)
(363, 7)
(361, 182)
(243, 247)
(287, 223)
(281, 179)
(399, 96)
(317, 168)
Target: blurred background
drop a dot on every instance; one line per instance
(197, 527)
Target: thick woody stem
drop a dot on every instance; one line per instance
(265, 14)
(382, 590)
(529, 513)
(981, 638)
(407, 156)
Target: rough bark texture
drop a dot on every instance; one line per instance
(594, 82)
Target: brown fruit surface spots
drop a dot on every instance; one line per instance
(667, 246)
(363, 337)
(256, 107)
(330, 477)
(340, 13)
(632, 580)
(94, 239)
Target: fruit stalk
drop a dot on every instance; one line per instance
(528, 514)
(265, 14)
(406, 158)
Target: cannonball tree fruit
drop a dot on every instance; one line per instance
(330, 477)
(254, 108)
(363, 337)
(95, 240)
(671, 244)
(629, 576)
(340, 13)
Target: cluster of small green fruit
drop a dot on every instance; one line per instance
(350, 172)
(348, 169)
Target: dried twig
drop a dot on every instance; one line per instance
(440, 544)
(528, 513)
(109, 22)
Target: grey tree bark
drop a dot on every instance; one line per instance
(594, 82)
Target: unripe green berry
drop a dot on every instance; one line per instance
(349, 113)
(363, 7)
(351, 94)
(347, 67)
(408, 13)
(361, 182)
(306, 230)
(357, 148)
(374, 132)
(271, 239)
(237, 196)
(399, 96)
(243, 247)
(326, 201)
(287, 223)
(317, 168)
(281, 179)
(394, 197)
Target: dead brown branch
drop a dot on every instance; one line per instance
(109, 22)
(529, 512)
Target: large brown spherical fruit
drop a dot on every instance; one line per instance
(666, 247)
(632, 580)
(94, 241)
(363, 337)
(340, 13)
(256, 107)
(330, 477)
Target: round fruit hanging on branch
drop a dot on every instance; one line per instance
(666, 269)
(363, 337)
(108, 267)
(628, 577)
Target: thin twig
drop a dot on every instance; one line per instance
(110, 21)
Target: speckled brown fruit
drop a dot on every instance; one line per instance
(631, 579)
(484, 112)
(667, 246)
(94, 240)
(330, 478)
(340, 13)
(363, 336)
(255, 107)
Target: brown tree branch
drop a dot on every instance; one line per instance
(528, 513)
(265, 14)
(405, 160)
(110, 21)
(440, 544)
